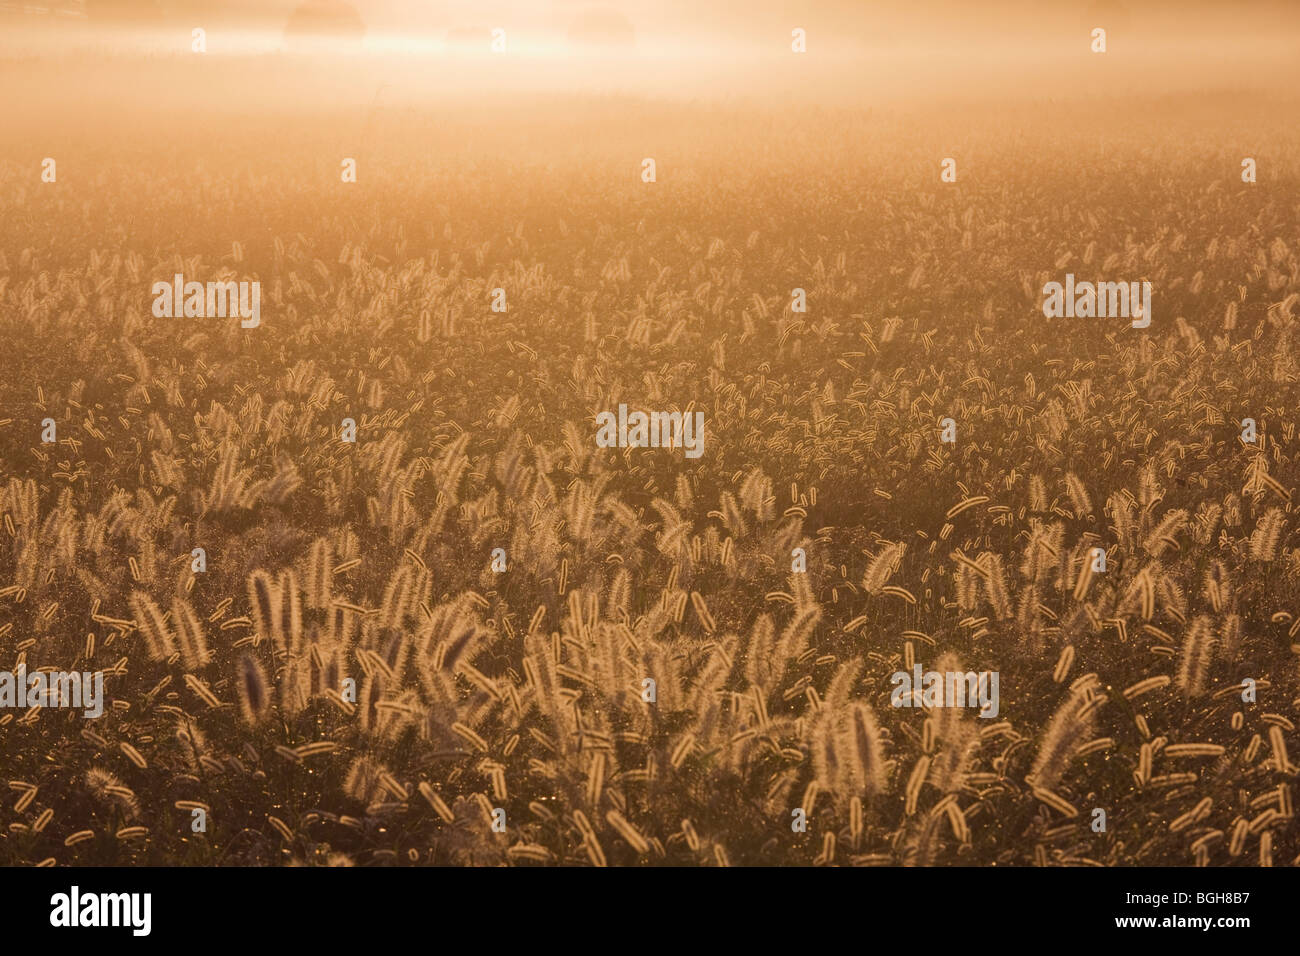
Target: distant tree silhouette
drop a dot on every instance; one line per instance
(601, 27)
(324, 18)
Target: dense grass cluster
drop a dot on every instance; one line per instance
(523, 690)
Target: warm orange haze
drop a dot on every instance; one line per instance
(637, 434)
